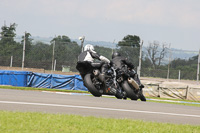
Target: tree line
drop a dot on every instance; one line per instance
(39, 54)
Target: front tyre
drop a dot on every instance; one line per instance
(92, 89)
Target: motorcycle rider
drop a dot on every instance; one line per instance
(119, 62)
(89, 55)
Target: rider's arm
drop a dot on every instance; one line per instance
(95, 55)
(99, 57)
(128, 63)
(102, 58)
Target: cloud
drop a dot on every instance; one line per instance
(182, 13)
(175, 21)
(157, 12)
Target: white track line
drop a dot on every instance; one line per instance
(99, 108)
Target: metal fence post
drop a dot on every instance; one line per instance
(198, 67)
(24, 51)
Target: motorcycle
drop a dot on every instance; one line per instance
(129, 84)
(97, 83)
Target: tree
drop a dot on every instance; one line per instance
(66, 51)
(129, 47)
(7, 43)
(130, 40)
(156, 53)
(8, 34)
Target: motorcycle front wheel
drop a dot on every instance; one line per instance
(89, 84)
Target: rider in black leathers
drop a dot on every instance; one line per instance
(119, 62)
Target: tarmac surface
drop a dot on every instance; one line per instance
(48, 102)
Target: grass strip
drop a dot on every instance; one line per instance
(186, 104)
(43, 122)
(181, 100)
(41, 89)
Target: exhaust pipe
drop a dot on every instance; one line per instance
(133, 83)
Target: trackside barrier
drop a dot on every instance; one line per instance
(194, 92)
(14, 78)
(172, 90)
(151, 88)
(41, 80)
(56, 81)
(175, 90)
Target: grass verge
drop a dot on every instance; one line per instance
(175, 101)
(42, 122)
(41, 89)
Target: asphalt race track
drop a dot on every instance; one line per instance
(37, 101)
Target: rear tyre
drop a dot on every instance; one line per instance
(92, 89)
(119, 96)
(142, 97)
(129, 91)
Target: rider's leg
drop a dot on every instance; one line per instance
(104, 69)
(134, 75)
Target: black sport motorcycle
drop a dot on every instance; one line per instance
(128, 82)
(98, 83)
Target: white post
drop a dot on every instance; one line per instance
(82, 41)
(138, 70)
(198, 67)
(24, 51)
(169, 62)
(11, 60)
(54, 65)
(179, 75)
(53, 56)
(140, 59)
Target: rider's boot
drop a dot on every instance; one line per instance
(141, 86)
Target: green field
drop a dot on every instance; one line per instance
(42, 122)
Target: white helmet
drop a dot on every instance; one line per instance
(89, 47)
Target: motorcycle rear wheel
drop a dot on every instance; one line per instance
(92, 89)
(129, 91)
(142, 97)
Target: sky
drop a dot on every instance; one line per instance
(174, 22)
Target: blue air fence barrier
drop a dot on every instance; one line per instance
(14, 78)
(54, 81)
(39, 80)
(79, 83)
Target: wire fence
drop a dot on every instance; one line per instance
(45, 59)
(173, 74)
